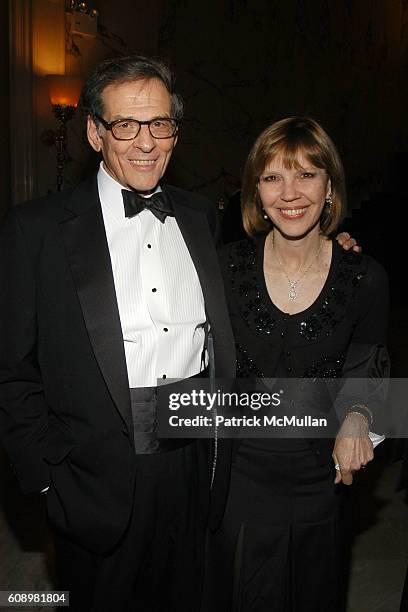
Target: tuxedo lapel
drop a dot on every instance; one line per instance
(88, 256)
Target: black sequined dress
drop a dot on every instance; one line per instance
(278, 547)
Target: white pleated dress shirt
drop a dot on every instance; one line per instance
(160, 301)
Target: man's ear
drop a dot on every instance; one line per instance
(93, 135)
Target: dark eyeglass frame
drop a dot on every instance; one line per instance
(110, 126)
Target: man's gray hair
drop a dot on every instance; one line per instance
(118, 70)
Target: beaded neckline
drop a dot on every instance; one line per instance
(262, 316)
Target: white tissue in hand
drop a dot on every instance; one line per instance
(376, 439)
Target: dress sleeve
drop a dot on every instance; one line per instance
(367, 366)
(373, 307)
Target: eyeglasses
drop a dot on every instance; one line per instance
(128, 129)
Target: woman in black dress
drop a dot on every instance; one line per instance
(300, 306)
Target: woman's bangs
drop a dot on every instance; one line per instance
(290, 154)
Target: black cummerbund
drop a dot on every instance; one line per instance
(143, 404)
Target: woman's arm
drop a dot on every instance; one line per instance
(353, 448)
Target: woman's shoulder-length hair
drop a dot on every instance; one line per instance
(290, 139)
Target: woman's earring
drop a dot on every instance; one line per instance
(265, 216)
(329, 203)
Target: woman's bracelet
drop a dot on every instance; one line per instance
(363, 411)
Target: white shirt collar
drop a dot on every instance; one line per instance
(110, 193)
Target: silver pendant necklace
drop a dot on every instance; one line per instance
(293, 291)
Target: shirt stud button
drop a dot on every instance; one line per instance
(154, 290)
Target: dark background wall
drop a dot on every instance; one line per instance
(242, 64)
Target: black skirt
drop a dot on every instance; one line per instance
(278, 548)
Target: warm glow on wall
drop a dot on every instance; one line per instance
(48, 22)
(64, 89)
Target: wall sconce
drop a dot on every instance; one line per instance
(82, 7)
(64, 92)
(82, 18)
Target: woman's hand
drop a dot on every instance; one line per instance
(353, 448)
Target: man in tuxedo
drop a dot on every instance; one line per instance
(106, 288)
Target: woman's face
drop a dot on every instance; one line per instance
(293, 198)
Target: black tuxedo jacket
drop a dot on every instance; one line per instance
(65, 414)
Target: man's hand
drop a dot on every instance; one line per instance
(353, 448)
(347, 242)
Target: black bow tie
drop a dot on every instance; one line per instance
(159, 204)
